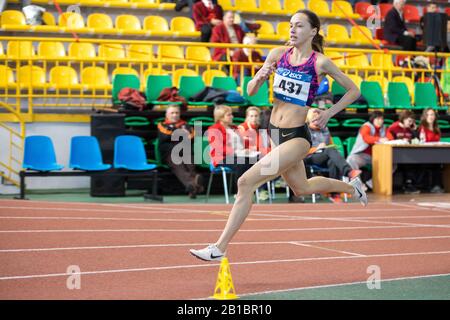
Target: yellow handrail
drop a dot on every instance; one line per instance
(10, 170)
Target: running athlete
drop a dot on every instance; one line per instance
(298, 70)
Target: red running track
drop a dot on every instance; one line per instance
(140, 251)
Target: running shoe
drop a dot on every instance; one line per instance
(210, 253)
(359, 193)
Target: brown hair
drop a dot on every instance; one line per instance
(405, 114)
(424, 123)
(314, 21)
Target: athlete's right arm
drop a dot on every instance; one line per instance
(270, 65)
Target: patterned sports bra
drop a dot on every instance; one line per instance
(296, 84)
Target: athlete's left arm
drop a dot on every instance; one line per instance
(326, 67)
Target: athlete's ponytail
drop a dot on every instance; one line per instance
(314, 21)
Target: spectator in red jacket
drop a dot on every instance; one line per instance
(246, 55)
(405, 129)
(226, 32)
(226, 145)
(206, 15)
(254, 138)
(429, 131)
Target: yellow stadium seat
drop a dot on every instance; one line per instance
(208, 75)
(183, 27)
(170, 53)
(408, 81)
(246, 6)
(266, 32)
(198, 54)
(319, 7)
(6, 77)
(1, 50)
(140, 51)
(344, 6)
(125, 70)
(383, 81)
(271, 7)
(72, 21)
(64, 77)
(181, 72)
(111, 50)
(293, 6)
(337, 58)
(101, 23)
(154, 71)
(20, 49)
(82, 50)
(157, 26)
(226, 5)
(337, 33)
(358, 37)
(95, 78)
(32, 76)
(129, 24)
(49, 24)
(380, 60)
(283, 30)
(13, 20)
(49, 49)
(357, 60)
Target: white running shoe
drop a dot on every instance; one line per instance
(359, 190)
(210, 253)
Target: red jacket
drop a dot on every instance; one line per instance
(202, 15)
(218, 146)
(251, 137)
(430, 136)
(220, 34)
(398, 132)
(240, 56)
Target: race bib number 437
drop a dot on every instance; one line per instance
(291, 86)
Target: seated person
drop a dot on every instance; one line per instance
(206, 15)
(370, 133)
(254, 138)
(323, 153)
(185, 172)
(429, 131)
(405, 129)
(246, 55)
(395, 30)
(226, 32)
(226, 145)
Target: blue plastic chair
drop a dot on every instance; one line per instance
(220, 169)
(39, 154)
(85, 154)
(129, 153)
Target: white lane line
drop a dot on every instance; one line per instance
(204, 265)
(340, 285)
(195, 211)
(232, 243)
(209, 230)
(327, 249)
(214, 220)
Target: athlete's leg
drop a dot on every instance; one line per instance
(271, 166)
(295, 177)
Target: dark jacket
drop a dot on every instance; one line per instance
(394, 26)
(165, 131)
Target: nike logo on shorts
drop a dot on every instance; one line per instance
(285, 135)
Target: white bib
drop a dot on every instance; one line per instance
(291, 86)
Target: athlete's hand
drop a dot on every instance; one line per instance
(265, 72)
(321, 119)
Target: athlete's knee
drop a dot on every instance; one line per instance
(301, 189)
